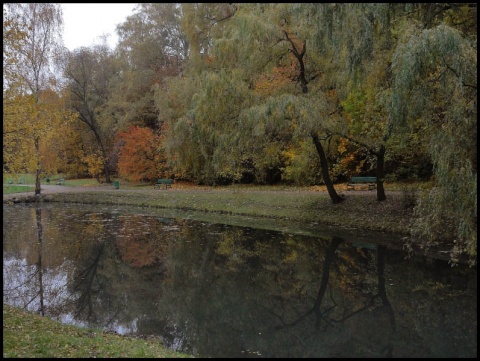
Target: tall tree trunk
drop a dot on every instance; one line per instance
(299, 54)
(324, 169)
(104, 155)
(37, 170)
(107, 172)
(380, 173)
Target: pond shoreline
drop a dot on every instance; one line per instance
(307, 210)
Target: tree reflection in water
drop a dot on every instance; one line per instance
(323, 315)
(84, 285)
(214, 290)
(38, 214)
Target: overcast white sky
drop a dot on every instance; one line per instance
(85, 23)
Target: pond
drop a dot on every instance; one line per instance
(217, 290)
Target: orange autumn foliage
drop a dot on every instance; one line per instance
(278, 79)
(140, 157)
(281, 76)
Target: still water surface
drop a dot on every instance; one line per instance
(216, 290)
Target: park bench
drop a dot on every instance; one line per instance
(158, 184)
(371, 181)
(61, 182)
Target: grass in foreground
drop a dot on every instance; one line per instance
(26, 334)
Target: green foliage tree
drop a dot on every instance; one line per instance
(174, 105)
(202, 23)
(436, 84)
(200, 141)
(357, 81)
(151, 48)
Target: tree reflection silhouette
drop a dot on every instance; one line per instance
(84, 283)
(38, 216)
(322, 315)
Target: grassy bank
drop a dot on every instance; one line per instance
(27, 335)
(361, 210)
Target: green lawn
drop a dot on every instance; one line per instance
(83, 182)
(9, 189)
(25, 178)
(28, 335)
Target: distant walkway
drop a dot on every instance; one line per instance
(53, 189)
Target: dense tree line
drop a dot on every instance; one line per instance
(259, 93)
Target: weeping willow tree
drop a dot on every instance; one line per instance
(237, 108)
(271, 44)
(435, 83)
(193, 111)
(200, 115)
(355, 44)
